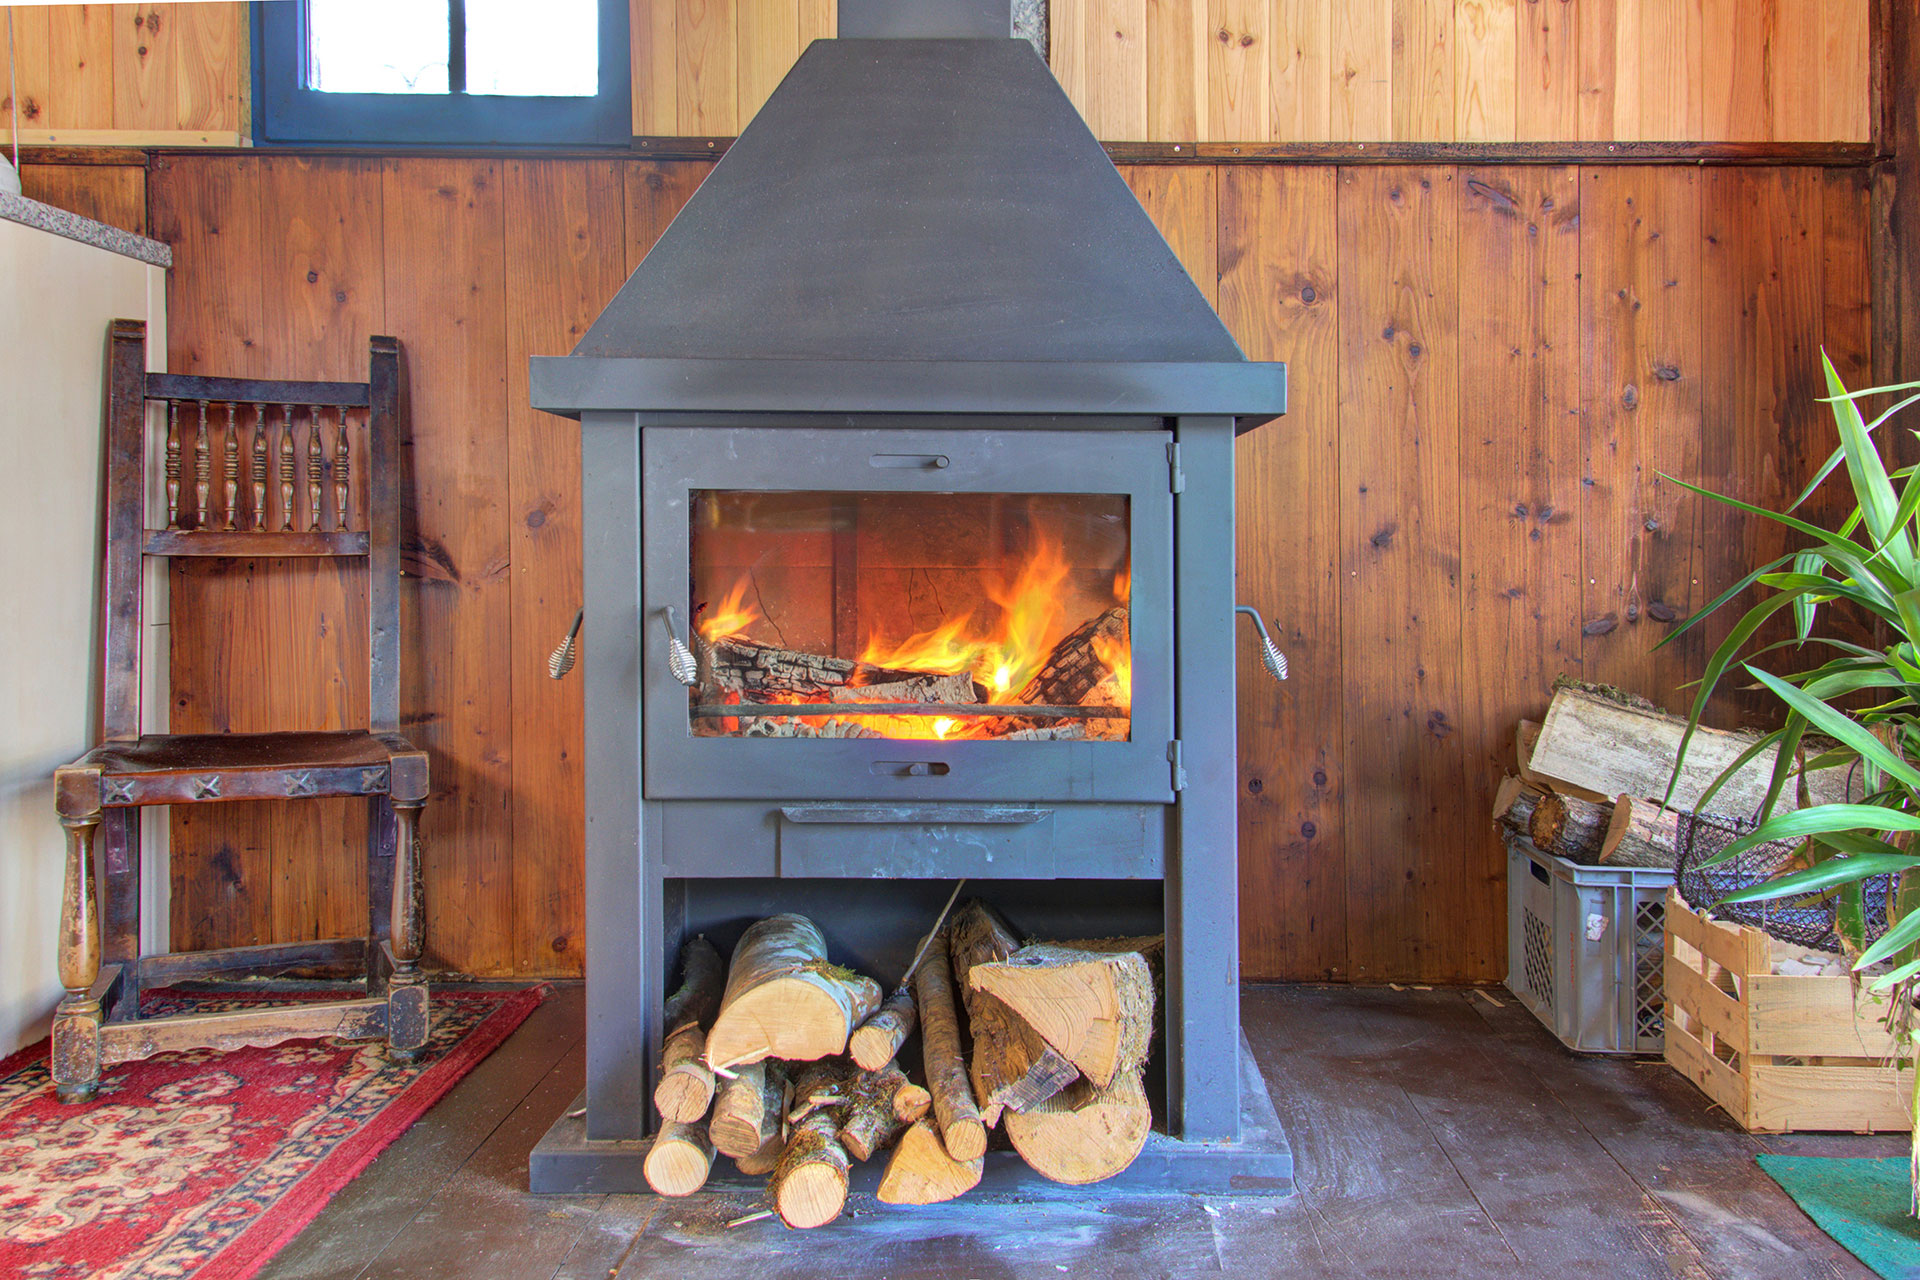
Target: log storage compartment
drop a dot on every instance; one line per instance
(907, 469)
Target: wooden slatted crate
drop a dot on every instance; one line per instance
(1779, 1052)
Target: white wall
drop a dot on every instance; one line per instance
(56, 299)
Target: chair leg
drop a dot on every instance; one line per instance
(75, 1058)
(120, 907)
(407, 986)
(381, 842)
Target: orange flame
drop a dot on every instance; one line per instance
(733, 615)
(1123, 584)
(1117, 656)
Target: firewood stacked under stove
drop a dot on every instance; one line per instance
(792, 1066)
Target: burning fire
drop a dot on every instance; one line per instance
(1001, 654)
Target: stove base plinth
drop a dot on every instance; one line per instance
(567, 1162)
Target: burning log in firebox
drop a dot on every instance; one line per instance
(810, 1080)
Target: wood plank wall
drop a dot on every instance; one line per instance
(93, 72)
(1139, 70)
(1491, 366)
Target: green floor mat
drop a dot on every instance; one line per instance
(1860, 1203)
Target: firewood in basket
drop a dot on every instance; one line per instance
(921, 1171)
(686, 1082)
(1084, 1133)
(679, 1160)
(809, 1184)
(749, 1109)
(783, 1000)
(1011, 1066)
(1570, 827)
(869, 1122)
(958, 1119)
(1093, 1005)
(875, 1042)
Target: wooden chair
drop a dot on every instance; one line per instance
(234, 465)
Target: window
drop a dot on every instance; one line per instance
(441, 71)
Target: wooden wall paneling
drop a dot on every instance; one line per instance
(209, 210)
(1669, 47)
(1179, 37)
(1761, 428)
(1238, 65)
(656, 191)
(653, 34)
(1301, 69)
(1642, 375)
(1796, 67)
(1067, 24)
(707, 42)
(1519, 344)
(1116, 60)
(1737, 51)
(32, 66)
(114, 194)
(1363, 40)
(443, 222)
(1547, 71)
(80, 65)
(819, 20)
(560, 275)
(1423, 79)
(1596, 56)
(1182, 200)
(768, 34)
(1280, 295)
(1845, 71)
(1405, 784)
(145, 67)
(210, 65)
(1486, 67)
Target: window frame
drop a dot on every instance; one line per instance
(287, 113)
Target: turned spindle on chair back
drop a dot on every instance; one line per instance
(251, 468)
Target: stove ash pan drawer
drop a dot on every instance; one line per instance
(853, 841)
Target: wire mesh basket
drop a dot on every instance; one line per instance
(1804, 922)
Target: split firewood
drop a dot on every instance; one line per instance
(1012, 1066)
(1514, 802)
(758, 671)
(1569, 827)
(783, 1000)
(750, 1108)
(875, 1041)
(1085, 1133)
(809, 1184)
(953, 1106)
(868, 1121)
(679, 1160)
(1074, 666)
(1610, 744)
(762, 1162)
(1095, 1006)
(921, 1171)
(686, 1081)
(1526, 738)
(910, 1102)
(1641, 834)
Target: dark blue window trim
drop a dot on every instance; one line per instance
(286, 111)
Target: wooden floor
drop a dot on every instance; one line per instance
(1437, 1136)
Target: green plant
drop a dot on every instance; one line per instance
(1862, 704)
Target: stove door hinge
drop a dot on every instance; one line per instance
(1179, 769)
(1176, 478)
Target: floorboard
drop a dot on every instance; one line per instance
(1438, 1134)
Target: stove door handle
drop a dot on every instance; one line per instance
(680, 660)
(1270, 656)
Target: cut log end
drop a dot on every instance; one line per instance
(965, 1139)
(877, 1040)
(679, 1160)
(923, 1171)
(1085, 1134)
(911, 1102)
(812, 1196)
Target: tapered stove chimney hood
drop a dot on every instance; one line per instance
(917, 221)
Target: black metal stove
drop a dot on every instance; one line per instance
(913, 346)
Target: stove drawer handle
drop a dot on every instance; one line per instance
(897, 814)
(1270, 656)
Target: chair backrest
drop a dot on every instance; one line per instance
(250, 468)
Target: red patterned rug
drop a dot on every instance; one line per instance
(200, 1165)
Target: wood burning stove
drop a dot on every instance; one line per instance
(908, 483)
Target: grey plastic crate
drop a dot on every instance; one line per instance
(1585, 949)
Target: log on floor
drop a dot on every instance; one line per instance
(957, 1117)
(921, 1171)
(808, 1186)
(679, 1160)
(1086, 1133)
